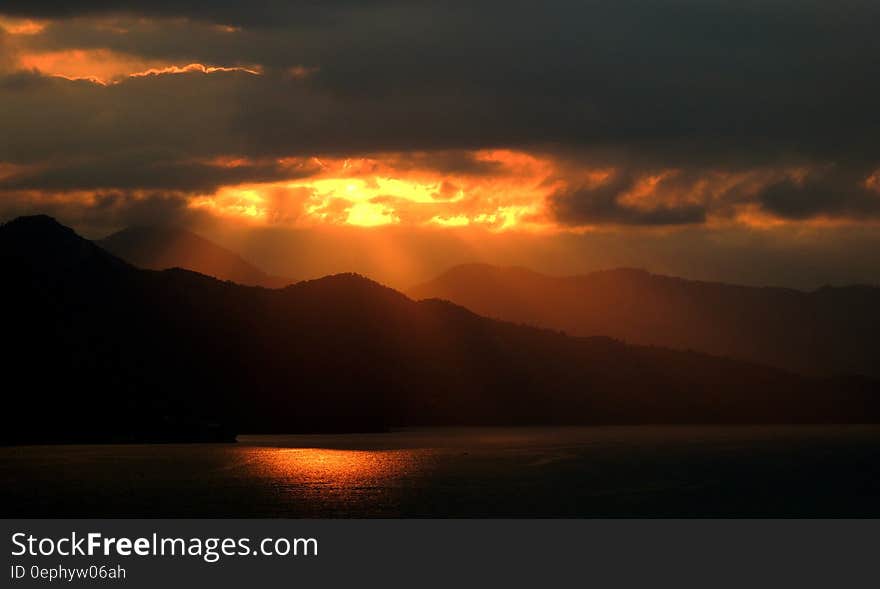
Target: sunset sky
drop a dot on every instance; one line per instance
(720, 140)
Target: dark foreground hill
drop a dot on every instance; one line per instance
(160, 248)
(830, 330)
(96, 349)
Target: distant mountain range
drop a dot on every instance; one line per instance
(827, 331)
(161, 248)
(97, 349)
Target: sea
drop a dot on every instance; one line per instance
(522, 472)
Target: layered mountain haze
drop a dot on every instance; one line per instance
(829, 330)
(110, 351)
(160, 248)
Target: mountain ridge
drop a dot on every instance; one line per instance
(161, 247)
(110, 351)
(824, 331)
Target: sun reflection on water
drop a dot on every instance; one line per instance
(336, 468)
(313, 481)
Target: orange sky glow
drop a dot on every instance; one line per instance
(511, 193)
(417, 153)
(388, 190)
(491, 189)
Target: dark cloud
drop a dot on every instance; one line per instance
(675, 77)
(255, 12)
(105, 211)
(838, 191)
(691, 195)
(187, 115)
(140, 169)
(699, 85)
(603, 204)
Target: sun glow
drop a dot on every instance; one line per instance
(494, 189)
(368, 214)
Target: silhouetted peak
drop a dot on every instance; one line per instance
(346, 280)
(159, 247)
(42, 242)
(350, 286)
(174, 231)
(162, 237)
(38, 227)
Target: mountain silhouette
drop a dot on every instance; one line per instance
(98, 350)
(160, 248)
(830, 330)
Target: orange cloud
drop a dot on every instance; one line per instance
(496, 190)
(194, 67)
(97, 65)
(103, 66)
(21, 26)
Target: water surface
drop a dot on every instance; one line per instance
(644, 471)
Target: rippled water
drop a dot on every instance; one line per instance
(471, 472)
